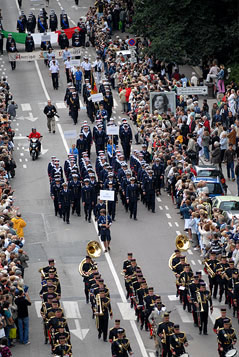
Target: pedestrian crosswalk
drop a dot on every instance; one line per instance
(71, 309)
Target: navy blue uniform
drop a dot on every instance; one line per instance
(75, 189)
(132, 196)
(87, 199)
(65, 202)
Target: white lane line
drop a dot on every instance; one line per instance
(199, 261)
(185, 317)
(161, 208)
(22, 154)
(26, 107)
(151, 354)
(172, 297)
(115, 103)
(168, 216)
(24, 166)
(193, 262)
(16, 129)
(107, 256)
(81, 104)
(17, 124)
(20, 160)
(190, 252)
(170, 224)
(41, 80)
(158, 199)
(114, 111)
(166, 207)
(26, 159)
(126, 311)
(73, 22)
(176, 224)
(178, 232)
(18, 148)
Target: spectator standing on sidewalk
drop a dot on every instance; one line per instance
(11, 110)
(237, 175)
(229, 158)
(22, 302)
(216, 155)
(19, 224)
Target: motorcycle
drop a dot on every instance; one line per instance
(34, 148)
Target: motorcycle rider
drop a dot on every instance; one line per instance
(35, 135)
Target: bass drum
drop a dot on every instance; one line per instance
(232, 353)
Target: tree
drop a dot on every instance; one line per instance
(187, 30)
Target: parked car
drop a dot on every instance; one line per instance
(211, 171)
(229, 205)
(214, 185)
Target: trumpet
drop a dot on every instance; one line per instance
(209, 270)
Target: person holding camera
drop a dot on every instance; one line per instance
(50, 112)
(23, 301)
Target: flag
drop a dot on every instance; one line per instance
(69, 32)
(93, 85)
(18, 37)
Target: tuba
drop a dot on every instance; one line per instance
(182, 243)
(93, 249)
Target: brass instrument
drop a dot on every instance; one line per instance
(94, 250)
(209, 270)
(42, 273)
(200, 309)
(99, 310)
(164, 339)
(182, 244)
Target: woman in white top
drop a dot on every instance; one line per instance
(205, 236)
(232, 101)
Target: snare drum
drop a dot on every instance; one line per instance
(231, 353)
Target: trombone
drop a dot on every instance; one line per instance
(99, 310)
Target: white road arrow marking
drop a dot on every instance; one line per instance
(31, 118)
(75, 7)
(20, 118)
(79, 332)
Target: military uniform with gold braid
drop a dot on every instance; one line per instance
(62, 348)
(203, 301)
(211, 268)
(121, 346)
(178, 341)
(165, 331)
(184, 281)
(149, 301)
(226, 338)
(113, 333)
(102, 312)
(220, 271)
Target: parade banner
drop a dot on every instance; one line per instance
(18, 37)
(39, 37)
(40, 55)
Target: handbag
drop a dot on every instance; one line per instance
(13, 333)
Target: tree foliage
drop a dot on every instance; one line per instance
(187, 30)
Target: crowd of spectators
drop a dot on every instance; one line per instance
(13, 258)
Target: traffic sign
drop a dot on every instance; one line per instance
(199, 90)
(131, 42)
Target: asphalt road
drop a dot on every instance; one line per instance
(151, 238)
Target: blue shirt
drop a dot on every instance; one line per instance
(78, 75)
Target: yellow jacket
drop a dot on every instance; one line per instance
(18, 225)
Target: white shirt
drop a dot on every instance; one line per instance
(98, 64)
(86, 66)
(68, 64)
(54, 68)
